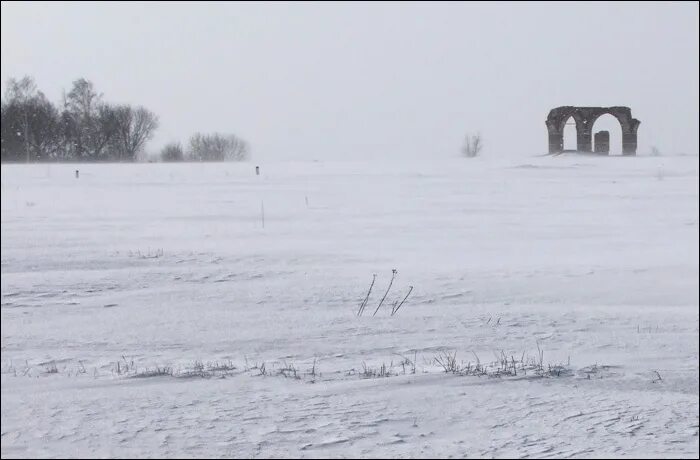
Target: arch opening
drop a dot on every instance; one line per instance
(606, 133)
(570, 135)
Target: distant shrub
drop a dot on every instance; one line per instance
(472, 145)
(172, 152)
(217, 147)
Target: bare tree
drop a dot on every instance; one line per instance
(45, 129)
(172, 152)
(20, 92)
(133, 127)
(217, 147)
(30, 123)
(82, 98)
(238, 149)
(102, 132)
(89, 124)
(472, 145)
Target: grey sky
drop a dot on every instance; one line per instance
(332, 81)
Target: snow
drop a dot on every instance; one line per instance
(136, 268)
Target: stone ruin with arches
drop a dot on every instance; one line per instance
(585, 117)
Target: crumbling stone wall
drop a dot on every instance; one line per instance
(601, 142)
(585, 117)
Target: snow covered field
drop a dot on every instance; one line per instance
(147, 312)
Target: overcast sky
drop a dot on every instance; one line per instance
(333, 81)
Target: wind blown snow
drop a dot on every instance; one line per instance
(146, 310)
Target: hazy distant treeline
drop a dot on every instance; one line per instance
(85, 128)
(207, 147)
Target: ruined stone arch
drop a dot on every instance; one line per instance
(585, 117)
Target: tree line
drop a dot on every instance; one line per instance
(83, 127)
(207, 147)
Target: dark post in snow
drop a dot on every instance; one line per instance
(257, 170)
(77, 173)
